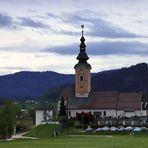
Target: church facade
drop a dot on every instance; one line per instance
(100, 104)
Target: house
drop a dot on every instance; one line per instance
(44, 114)
(100, 104)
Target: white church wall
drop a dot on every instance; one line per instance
(134, 113)
(120, 113)
(143, 113)
(130, 114)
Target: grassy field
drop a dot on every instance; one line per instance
(116, 141)
(43, 131)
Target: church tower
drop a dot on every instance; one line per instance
(82, 71)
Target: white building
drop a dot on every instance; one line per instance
(43, 115)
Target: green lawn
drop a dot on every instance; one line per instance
(43, 131)
(116, 141)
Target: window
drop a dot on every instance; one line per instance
(69, 113)
(104, 113)
(81, 78)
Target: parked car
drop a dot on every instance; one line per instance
(137, 129)
(113, 128)
(89, 129)
(120, 128)
(98, 129)
(129, 128)
(105, 128)
(144, 128)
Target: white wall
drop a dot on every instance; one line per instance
(39, 117)
(120, 113)
(144, 113)
(135, 113)
(40, 114)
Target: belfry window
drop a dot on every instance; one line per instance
(81, 78)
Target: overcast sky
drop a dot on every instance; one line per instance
(43, 35)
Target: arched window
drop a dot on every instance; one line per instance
(81, 78)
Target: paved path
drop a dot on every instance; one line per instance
(20, 136)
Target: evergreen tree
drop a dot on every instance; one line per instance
(62, 111)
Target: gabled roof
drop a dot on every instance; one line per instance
(129, 101)
(107, 100)
(102, 100)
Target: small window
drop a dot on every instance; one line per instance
(81, 78)
(69, 113)
(104, 113)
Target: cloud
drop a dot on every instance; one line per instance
(102, 28)
(97, 25)
(104, 48)
(5, 20)
(32, 10)
(117, 48)
(14, 68)
(28, 22)
(51, 15)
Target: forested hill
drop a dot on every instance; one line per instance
(131, 79)
(34, 84)
(31, 84)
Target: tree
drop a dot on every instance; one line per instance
(62, 111)
(7, 119)
(31, 112)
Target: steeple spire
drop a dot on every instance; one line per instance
(82, 57)
(82, 26)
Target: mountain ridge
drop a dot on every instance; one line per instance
(30, 85)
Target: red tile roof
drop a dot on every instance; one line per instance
(129, 101)
(103, 100)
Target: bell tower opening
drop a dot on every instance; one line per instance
(82, 71)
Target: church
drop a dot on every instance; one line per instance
(100, 104)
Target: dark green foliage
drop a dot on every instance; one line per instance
(7, 119)
(31, 113)
(62, 111)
